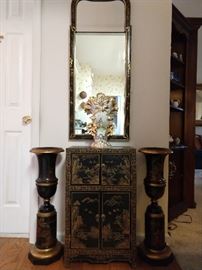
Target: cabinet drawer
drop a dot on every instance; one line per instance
(105, 169)
(115, 169)
(85, 169)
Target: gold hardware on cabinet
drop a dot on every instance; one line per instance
(103, 217)
(26, 120)
(97, 218)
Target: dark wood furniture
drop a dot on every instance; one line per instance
(100, 205)
(182, 118)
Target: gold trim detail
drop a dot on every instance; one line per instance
(44, 254)
(45, 215)
(46, 150)
(156, 255)
(42, 184)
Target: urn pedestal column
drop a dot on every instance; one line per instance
(154, 249)
(46, 249)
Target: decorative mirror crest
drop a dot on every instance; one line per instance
(99, 60)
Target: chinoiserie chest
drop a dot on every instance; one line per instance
(100, 222)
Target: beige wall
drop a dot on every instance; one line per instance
(149, 124)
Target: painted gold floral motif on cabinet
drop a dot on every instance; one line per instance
(85, 169)
(115, 169)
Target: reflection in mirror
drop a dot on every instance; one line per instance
(199, 102)
(99, 62)
(99, 68)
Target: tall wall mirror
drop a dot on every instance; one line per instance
(100, 60)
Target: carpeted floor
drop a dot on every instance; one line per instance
(186, 232)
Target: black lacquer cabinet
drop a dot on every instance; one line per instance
(100, 222)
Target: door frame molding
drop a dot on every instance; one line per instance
(36, 90)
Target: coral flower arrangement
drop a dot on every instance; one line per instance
(102, 109)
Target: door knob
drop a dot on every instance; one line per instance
(26, 120)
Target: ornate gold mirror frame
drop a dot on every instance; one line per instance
(127, 72)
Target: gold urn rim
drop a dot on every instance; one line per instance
(46, 150)
(155, 150)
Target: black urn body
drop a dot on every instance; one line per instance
(154, 249)
(47, 248)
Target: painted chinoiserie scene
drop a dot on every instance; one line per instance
(89, 212)
(85, 170)
(100, 205)
(115, 169)
(85, 214)
(115, 220)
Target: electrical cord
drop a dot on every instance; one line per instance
(184, 221)
(172, 226)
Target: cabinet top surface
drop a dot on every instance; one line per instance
(100, 150)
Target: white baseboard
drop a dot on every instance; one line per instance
(14, 235)
(61, 237)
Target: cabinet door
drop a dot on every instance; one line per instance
(85, 215)
(115, 169)
(115, 220)
(85, 169)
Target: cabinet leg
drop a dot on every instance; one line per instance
(133, 264)
(67, 263)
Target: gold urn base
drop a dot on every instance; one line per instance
(45, 256)
(156, 257)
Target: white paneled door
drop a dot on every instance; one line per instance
(15, 105)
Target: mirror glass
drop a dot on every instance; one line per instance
(97, 72)
(100, 63)
(199, 102)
